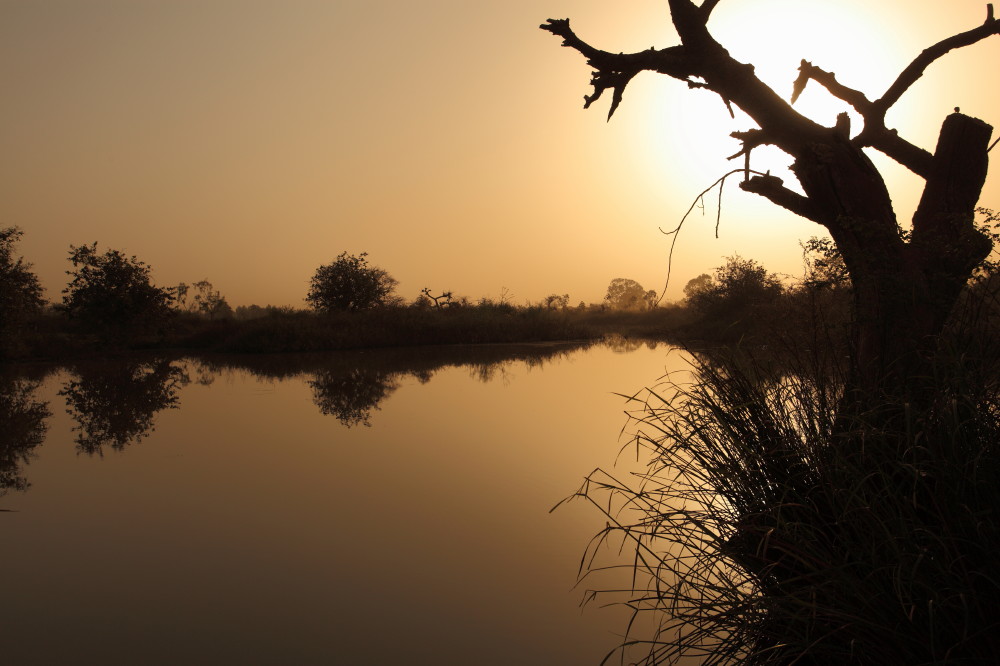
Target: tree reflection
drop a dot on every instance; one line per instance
(114, 403)
(350, 394)
(23, 428)
(351, 385)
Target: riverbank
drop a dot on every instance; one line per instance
(50, 337)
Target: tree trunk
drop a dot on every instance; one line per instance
(903, 291)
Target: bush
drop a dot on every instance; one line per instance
(735, 299)
(350, 284)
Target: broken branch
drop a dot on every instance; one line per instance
(916, 69)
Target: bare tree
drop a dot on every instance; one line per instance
(904, 289)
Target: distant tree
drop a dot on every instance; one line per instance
(349, 284)
(444, 300)
(625, 294)
(556, 302)
(202, 298)
(113, 295)
(697, 284)
(20, 291)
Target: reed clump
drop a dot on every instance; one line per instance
(770, 528)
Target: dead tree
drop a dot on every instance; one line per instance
(904, 289)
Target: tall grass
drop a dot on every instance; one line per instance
(771, 529)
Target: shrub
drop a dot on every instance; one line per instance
(349, 284)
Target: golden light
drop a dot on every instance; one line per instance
(691, 128)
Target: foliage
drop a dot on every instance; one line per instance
(697, 284)
(626, 294)
(736, 291)
(113, 295)
(989, 225)
(349, 284)
(20, 291)
(824, 264)
(204, 299)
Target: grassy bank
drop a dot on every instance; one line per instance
(774, 526)
(52, 336)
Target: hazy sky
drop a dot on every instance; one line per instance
(250, 141)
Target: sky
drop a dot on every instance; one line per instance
(248, 142)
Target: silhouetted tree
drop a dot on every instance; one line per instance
(202, 298)
(20, 291)
(113, 295)
(114, 403)
(738, 285)
(444, 300)
(23, 418)
(625, 294)
(803, 468)
(556, 302)
(348, 284)
(697, 284)
(903, 289)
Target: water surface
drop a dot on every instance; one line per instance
(365, 508)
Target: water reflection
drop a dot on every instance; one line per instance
(301, 536)
(114, 403)
(350, 386)
(23, 418)
(352, 395)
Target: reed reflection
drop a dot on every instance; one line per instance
(23, 420)
(114, 403)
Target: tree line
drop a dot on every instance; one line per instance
(111, 300)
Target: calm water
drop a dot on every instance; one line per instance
(367, 508)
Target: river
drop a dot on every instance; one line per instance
(381, 507)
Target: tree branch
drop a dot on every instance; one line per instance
(616, 70)
(808, 71)
(915, 70)
(707, 7)
(772, 188)
(888, 142)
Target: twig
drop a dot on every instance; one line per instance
(718, 218)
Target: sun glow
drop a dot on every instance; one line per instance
(848, 38)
